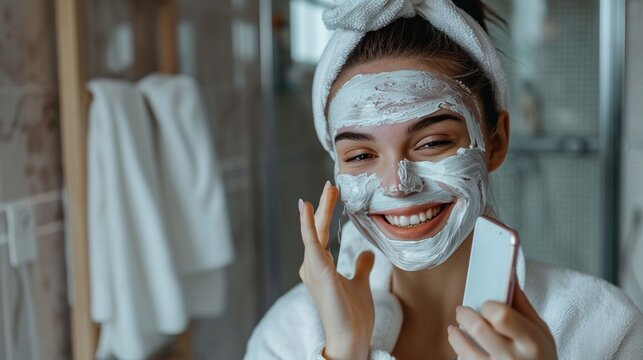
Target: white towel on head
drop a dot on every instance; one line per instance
(351, 19)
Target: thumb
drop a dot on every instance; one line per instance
(363, 266)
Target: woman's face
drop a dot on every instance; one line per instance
(412, 157)
(379, 150)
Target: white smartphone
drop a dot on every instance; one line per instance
(491, 264)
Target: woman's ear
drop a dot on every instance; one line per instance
(499, 142)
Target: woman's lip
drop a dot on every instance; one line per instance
(407, 211)
(422, 231)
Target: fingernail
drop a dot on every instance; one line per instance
(301, 205)
(458, 308)
(327, 184)
(450, 329)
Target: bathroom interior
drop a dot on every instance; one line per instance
(572, 185)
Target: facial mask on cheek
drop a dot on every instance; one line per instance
(461, 179)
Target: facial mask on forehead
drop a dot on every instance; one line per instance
(461, 180)
(399, 96)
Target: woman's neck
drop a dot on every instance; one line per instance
(436, 288)
(429, 297)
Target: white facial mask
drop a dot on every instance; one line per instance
(395, 97)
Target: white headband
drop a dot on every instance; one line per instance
(352, 19)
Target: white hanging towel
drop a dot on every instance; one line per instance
(195, 204)
(135, 289)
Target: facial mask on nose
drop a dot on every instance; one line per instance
(462, 179)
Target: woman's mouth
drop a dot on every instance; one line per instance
(415, 219)
(413, 223)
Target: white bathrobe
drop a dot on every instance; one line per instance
(588, 317)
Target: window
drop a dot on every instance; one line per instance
(308, 35)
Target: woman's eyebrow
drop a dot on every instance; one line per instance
(430, 120)
(349, 135)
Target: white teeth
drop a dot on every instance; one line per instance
(393, 220)
(416, 219)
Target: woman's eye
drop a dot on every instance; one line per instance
(435, 144)
(360, 157)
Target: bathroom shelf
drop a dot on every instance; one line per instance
(563, 145)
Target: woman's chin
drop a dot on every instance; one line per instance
(409, 224)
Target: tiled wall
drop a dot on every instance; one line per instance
(632, 160)
(30, 164)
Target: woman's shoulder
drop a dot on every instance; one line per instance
(291, 329)
(568, 290)
(586, 314)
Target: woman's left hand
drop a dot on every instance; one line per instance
(502, 332)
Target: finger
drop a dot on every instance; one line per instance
(324, 213)
(363, 266)
(313, 250)
(508, 321)
(463, 346)
(482, 332)
(322, 199)
(524, 307)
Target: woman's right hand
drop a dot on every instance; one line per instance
(345, 306)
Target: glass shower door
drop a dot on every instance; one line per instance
(551, 187)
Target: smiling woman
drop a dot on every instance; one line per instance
(410, 100)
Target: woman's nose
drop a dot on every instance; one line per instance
(398, 181)
(390, 181)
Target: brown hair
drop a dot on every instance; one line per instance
(417, 38)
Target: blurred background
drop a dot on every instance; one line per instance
(572, 185)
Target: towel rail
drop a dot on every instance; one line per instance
(74, 103)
